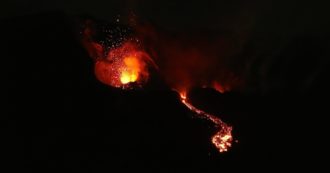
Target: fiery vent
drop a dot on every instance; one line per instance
(123, 65)
(131, 70)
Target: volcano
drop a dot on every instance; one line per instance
(58, 115)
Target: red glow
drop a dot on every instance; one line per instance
(123, 65)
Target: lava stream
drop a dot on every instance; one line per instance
(222, 140)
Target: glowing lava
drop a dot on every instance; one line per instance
(123, 65)
(131, 70)
(222, 140)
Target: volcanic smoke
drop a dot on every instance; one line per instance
(126, 64)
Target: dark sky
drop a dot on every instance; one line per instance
(193, 13)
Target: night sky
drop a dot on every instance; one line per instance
(57, 116)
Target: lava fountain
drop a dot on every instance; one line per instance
(123, 65)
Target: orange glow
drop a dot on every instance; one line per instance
(131, 70)
(123, 65)
(183, 96)
(223, 139)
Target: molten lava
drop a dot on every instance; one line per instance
(130, 73)
(222, 140)
(123, 65)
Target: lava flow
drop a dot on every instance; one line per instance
(223, 138)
